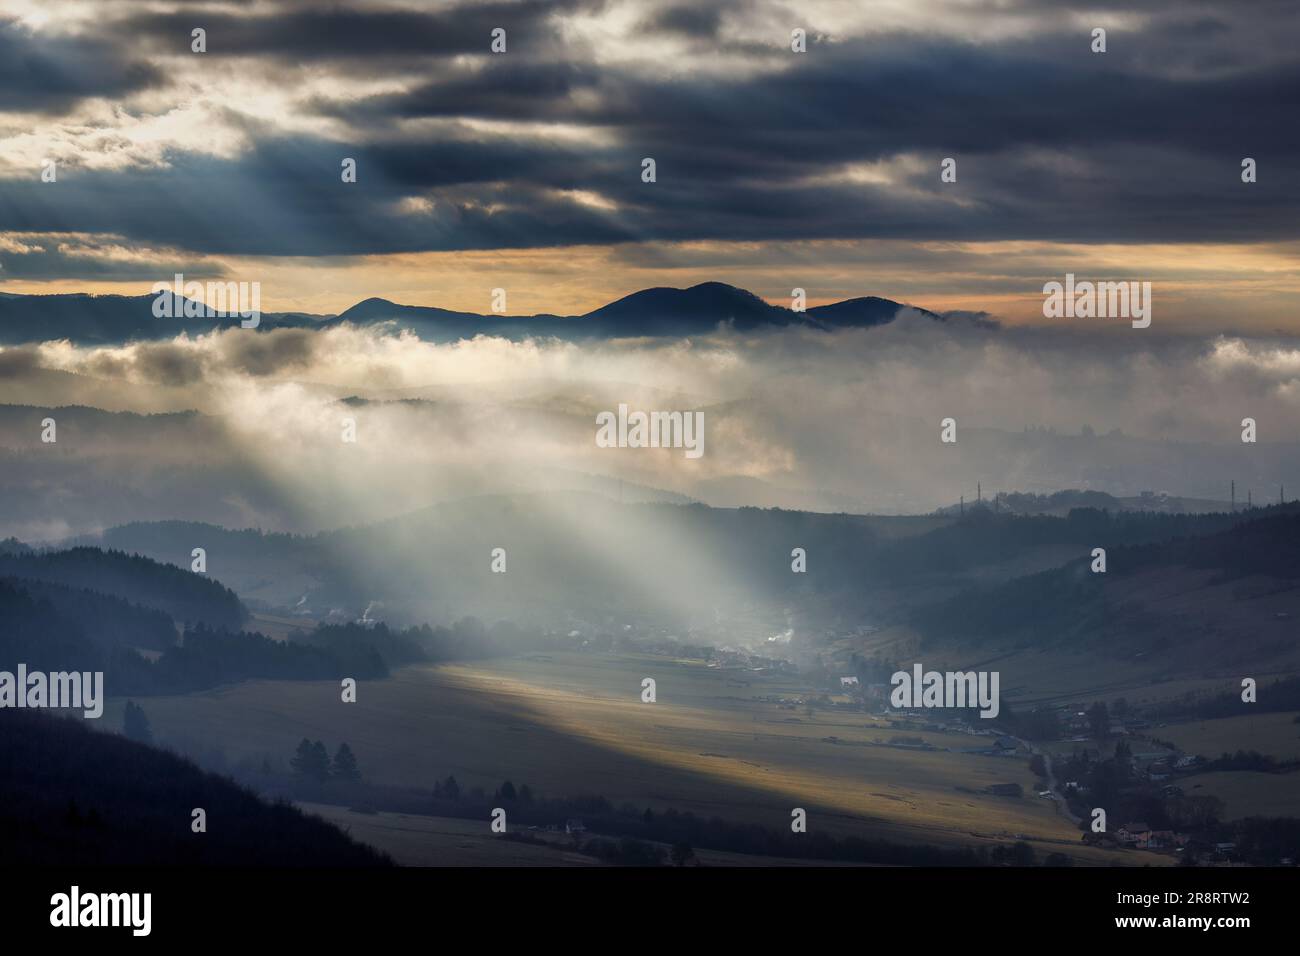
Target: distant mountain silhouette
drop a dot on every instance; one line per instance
(700, 308)
(659, 311)
(1061, 502)
(112, 319)
(856, 313)
(108, 319)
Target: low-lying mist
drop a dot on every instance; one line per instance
(801, 419)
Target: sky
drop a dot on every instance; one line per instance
(774, 169)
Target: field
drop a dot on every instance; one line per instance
(716, 743)
(1248, 793)
(1274, 735)
(416, 840)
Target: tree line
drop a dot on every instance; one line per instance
(311, 761)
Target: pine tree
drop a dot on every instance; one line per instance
(135, 725)
(345, 764)
(311, 761)
(301, 762)
(320, 762)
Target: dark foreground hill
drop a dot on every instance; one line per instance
(72, 797)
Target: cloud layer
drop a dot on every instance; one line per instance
(839, 421)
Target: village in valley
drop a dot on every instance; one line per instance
(1083, 753)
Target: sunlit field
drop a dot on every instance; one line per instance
(574, 724)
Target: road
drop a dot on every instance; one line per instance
(1061, 805)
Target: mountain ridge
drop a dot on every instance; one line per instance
(90, 319)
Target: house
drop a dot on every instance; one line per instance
(1225, 851)
(848, 682)
(574, 827)
(1135, 834)
(1006, 743)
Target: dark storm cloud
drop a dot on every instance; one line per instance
(1052, 142)
(528, 90)
(288, 198)
(43, 74)
(310, 33)
(866, 100)
(697, 22)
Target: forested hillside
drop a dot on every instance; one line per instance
(83, 798)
